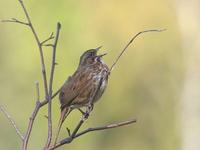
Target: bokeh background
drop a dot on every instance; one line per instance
(156, 81)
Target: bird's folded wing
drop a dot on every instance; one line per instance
(75, 89)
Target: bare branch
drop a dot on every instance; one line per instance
(14, 20)
(48, 45)
(44, 102)
(78, 126)
(48, 39)
(105, 127)
(32, 118)
(51, 85)
(134, 37)
(114, 125)
(37, 90)
(30, 125)
(12, 122)
(39, 46)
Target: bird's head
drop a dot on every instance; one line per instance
(89, 56)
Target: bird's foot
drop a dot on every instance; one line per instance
(89, 108)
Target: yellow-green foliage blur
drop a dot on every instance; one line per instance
(147, 82)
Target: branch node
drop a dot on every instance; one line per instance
(48, 39)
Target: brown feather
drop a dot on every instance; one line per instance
(64, 113)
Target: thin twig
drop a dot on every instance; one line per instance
(39, 46)
(49, 38)
(114, 125)
(12, 122)
(44, 102)
(134, 37)
(30, 125)
(14, 20)
(51, 85)
(48, 45)
(105, 127)
(37, 90)
(32, 118)
(78, 126)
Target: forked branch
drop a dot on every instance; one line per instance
(48, 39)
(32, 118)
(48, 96)
(39, 46)
(14, 20)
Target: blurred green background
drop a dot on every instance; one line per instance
(156, 80)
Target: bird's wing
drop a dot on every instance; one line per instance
(72, 91)
(67, 93)
(90, 91)
(85, 93)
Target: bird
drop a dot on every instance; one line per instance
(85, 86)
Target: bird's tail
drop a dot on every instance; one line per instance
(64, 113)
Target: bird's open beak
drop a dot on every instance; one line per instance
(102, 55)
(98, 48)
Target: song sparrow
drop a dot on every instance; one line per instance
(85, 86)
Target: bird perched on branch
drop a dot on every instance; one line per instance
(85, 86)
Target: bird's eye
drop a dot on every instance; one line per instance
(90, 54)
